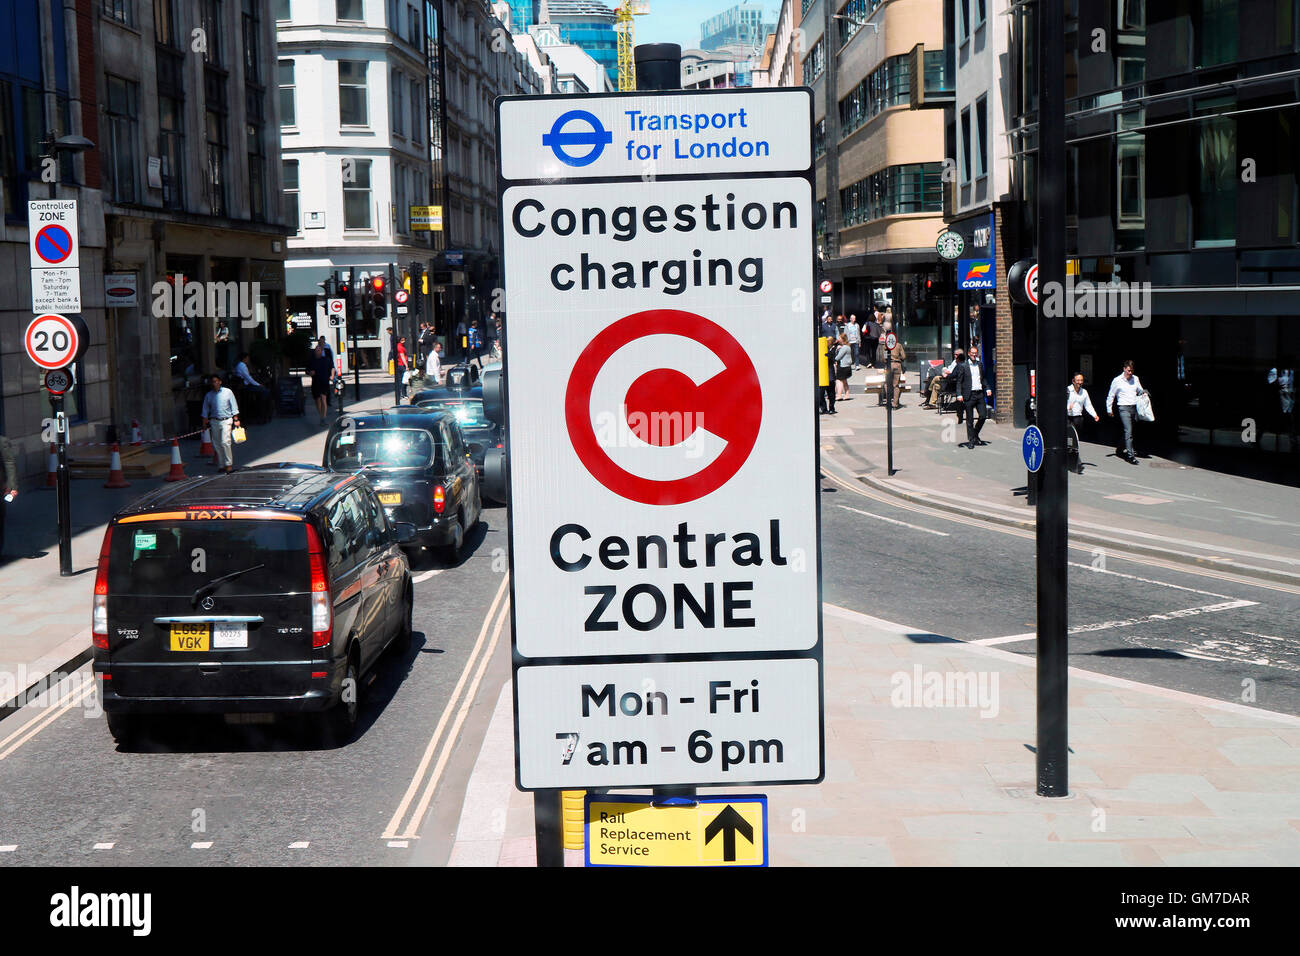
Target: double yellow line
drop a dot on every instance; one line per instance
(405, 823)
(33, 727)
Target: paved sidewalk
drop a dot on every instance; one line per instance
(45, 618)
(1157, 777)
(1161, 507)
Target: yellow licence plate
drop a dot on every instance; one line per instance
(390, 497)
(190, 637)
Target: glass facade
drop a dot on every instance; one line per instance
(894, 191)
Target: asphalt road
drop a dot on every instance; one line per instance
(1201, 632)
(266, 795)
(206, 792)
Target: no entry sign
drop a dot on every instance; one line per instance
(664, 517)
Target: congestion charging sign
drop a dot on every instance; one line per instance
(664, 517)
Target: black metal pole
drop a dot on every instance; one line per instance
(63, 491)
(1053, 511)
(354, 358)
(548, 827)
(889, 408)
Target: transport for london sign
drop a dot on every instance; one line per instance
(664, 522)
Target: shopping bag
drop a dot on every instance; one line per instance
(238, 435)
(1144, 412)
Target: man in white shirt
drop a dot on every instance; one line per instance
(1123, 394)
(433, 369)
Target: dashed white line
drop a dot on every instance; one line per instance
(105, 846)
(914, 527)
(201, 845)
(1131, 622)
(1134, 577)
(399, 844)
(8, 848)
(425, 575)
(989, 641)
(300, 845)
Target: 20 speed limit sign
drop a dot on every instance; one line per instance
(52, 341)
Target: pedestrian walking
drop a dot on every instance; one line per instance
(474, 340)
(1077, 404)
(973, 392)
(894, 373)
(826, 374)
(433, 366)
(321, 366)
(221, 417)
(8, 484)
(853, 332)
(401, 367)
(1123, 396)
(843, 367)
(871, 338)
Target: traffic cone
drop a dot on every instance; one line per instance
(115, 479)
(136, 437)
(205, 449)
(177, 472)
(52, 467)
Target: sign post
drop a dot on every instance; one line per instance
(54, 342)
(665, 592)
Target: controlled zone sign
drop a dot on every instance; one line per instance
(664, 522)
(700, 831)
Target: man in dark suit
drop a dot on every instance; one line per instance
(973, 391)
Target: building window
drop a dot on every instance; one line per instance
(1132, 14)
(288, 108)
(123, 11)
(171, 149)
(289, 174)
(1215, 202)
(252, 25)
(356, 194)
(888, 85)
(283, 10)
(164, 23)
(396, 110)
(348, 10)
(815, 63)
(417, 112)
(981, 137)
(1131, 198)
(214, 121)
(965, 146)
(210, 18)
(255, 131)
(123, 133)
(1215, 29)
(963, 21)
(894, 191)
(352, 93)
(979, 15)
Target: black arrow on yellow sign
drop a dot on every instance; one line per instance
(728, 823)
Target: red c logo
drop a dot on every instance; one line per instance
(732, 399)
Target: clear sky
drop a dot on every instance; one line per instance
(678, 21)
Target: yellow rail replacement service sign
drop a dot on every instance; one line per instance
(699, 831)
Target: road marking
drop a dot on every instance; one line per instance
(989, 641)
(1137, 499)
(34, 727)
(201, 845)
(300, 845)
(1167, 616)
(391, 831)
(1134, 577)
(105, 846)
(8, 848)
(399, 844)
(425, 575)
(914, 527)
(413, 826)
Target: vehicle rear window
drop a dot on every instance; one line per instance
(382, 448)
(170, 557)
(468, 414)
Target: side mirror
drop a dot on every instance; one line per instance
(405, 531)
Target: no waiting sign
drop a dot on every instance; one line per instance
(665, 587)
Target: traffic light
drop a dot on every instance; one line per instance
(376, 298)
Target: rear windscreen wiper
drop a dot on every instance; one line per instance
(217, 582)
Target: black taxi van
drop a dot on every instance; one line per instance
(420, 466)
(266, 590)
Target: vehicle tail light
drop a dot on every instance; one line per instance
(99, 611)
(439, 499)
(322, 608)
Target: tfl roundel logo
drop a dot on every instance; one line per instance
(647, 430)
(577, 128)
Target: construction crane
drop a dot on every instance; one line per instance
(623, 25)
